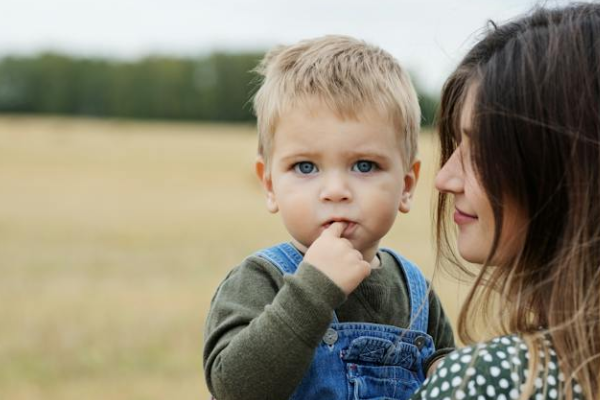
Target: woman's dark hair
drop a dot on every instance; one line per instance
(535, 141)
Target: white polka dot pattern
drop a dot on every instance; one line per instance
(494, 370)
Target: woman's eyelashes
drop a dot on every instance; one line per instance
(360, 166)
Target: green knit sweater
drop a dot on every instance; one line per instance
(263, 327)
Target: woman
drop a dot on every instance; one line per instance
(520, 136)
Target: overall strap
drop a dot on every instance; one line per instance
(284, 256)
(417, 292)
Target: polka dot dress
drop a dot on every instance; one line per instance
(496, 370)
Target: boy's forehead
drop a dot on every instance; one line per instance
(304, 111)
(303, 132)
(316, 105)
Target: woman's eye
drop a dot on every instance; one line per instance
(305, 167)
(364, 166)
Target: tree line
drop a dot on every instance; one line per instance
(215, 87)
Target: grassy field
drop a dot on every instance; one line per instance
(113, 237)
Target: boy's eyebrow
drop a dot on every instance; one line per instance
(372, 153)
(299, 154)
(360, 153)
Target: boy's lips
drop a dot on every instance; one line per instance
(350, 225)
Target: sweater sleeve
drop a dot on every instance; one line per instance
(263, 328)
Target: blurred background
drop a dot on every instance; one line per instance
(127, 189)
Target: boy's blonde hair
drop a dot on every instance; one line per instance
(347, 75)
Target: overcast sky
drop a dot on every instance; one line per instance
(427, 36)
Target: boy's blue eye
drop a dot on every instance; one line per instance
(364, 166)
(305, 167)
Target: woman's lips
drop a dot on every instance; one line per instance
(462, 218)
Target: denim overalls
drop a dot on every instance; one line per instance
(360, 361)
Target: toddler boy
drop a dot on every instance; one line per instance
(329, 313)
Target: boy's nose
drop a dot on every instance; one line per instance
(335, 189)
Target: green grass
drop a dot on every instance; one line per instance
(113, 237)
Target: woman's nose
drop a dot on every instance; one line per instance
(335, 188)
(449, 179)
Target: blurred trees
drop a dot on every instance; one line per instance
(429, 106)
(215, 87)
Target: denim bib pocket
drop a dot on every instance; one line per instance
(378, 369)
(380, 383)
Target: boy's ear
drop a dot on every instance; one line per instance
(265, 179)
(410, 183)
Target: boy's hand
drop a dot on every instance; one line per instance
(337, 258)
